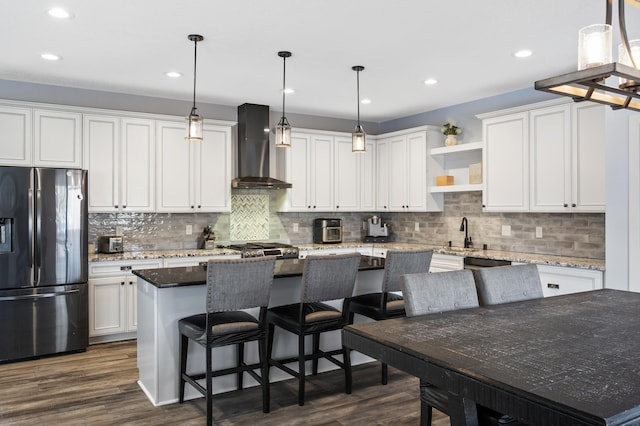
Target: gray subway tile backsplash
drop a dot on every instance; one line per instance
(569, 234)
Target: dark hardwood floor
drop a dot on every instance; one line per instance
(98, 387)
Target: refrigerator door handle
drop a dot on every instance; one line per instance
(39, 295)
(38, 228)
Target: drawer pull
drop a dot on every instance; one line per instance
(553, 286)
(126, 268)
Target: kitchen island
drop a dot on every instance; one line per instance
(166, 295)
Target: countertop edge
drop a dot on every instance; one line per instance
(537, 258)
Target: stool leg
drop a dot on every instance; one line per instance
(301, 369)
(426, 413)
(346, 360)
(316, 350)
(240, 356)
(383, 374)
(209, 388)
(264, 374)
(184, 346)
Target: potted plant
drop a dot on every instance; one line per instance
(450, 131)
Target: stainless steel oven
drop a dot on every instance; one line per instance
(327, 231)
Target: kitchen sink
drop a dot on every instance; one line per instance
(461, 249)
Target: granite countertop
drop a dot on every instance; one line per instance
(541, 259)
(197, 275)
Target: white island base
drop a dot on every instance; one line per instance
(159, 310)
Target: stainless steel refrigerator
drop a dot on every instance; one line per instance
(43, 262)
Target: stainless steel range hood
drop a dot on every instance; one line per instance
(253, 149)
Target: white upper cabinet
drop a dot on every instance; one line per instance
(588, 152)
(545, 159)
(193, 176)
(402, 173)
(15, 144)
(550, 158)
(309, 164)
(57, 139)
(40, 137)
(505, 163)
(348, 176)
(354, 176)
(119, 154)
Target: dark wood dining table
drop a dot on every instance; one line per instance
(565, 360)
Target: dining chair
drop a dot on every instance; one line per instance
(504, 284)
(233, 285)
(388, 303)
(324, 278)
(430, 293)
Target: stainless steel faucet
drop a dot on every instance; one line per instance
(464, 226)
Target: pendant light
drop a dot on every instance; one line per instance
(283, 129)
(194, 121)
(594, 79)
(358, 136)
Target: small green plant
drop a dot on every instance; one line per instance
(450, 129)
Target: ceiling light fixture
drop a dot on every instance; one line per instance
(58, 12)
(430, 81)
(592, 81)
(283, 129)
(173, 74)
(50, 57)
(524, 53)
(194, 121)
(358, 136)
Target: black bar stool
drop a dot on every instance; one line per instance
(324, 278)
(232, 285)
(386, 304)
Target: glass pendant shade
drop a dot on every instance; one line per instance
(594, 46)
(194, 127)
(358, 140)
(625, 59)
(283, 133)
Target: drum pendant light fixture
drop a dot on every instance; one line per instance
(594, 80)
(194, 121)
(358, 136)
(283, 129)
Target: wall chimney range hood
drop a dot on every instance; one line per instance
(253, 149)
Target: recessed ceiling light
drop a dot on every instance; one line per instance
(524, 53)
(58, 12)
(365, 101)
(50, 57)
(288, 90)
(173, 74)
(430, 81)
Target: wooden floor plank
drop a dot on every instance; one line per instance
(98, 387)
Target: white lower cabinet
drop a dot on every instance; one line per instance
(446, 262)
(558, 280)
(112, 297)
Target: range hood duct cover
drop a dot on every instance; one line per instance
(253, 149)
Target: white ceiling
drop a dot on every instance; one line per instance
(467, 45)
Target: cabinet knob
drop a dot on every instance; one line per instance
(192, 207)
(314, 207)
(122, 283)
(199, 206)
(116, 206)
(337, 207)
(483, 206)
(124, 206)
(573, 205)
(566, 205)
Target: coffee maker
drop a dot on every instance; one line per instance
(374, 230)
